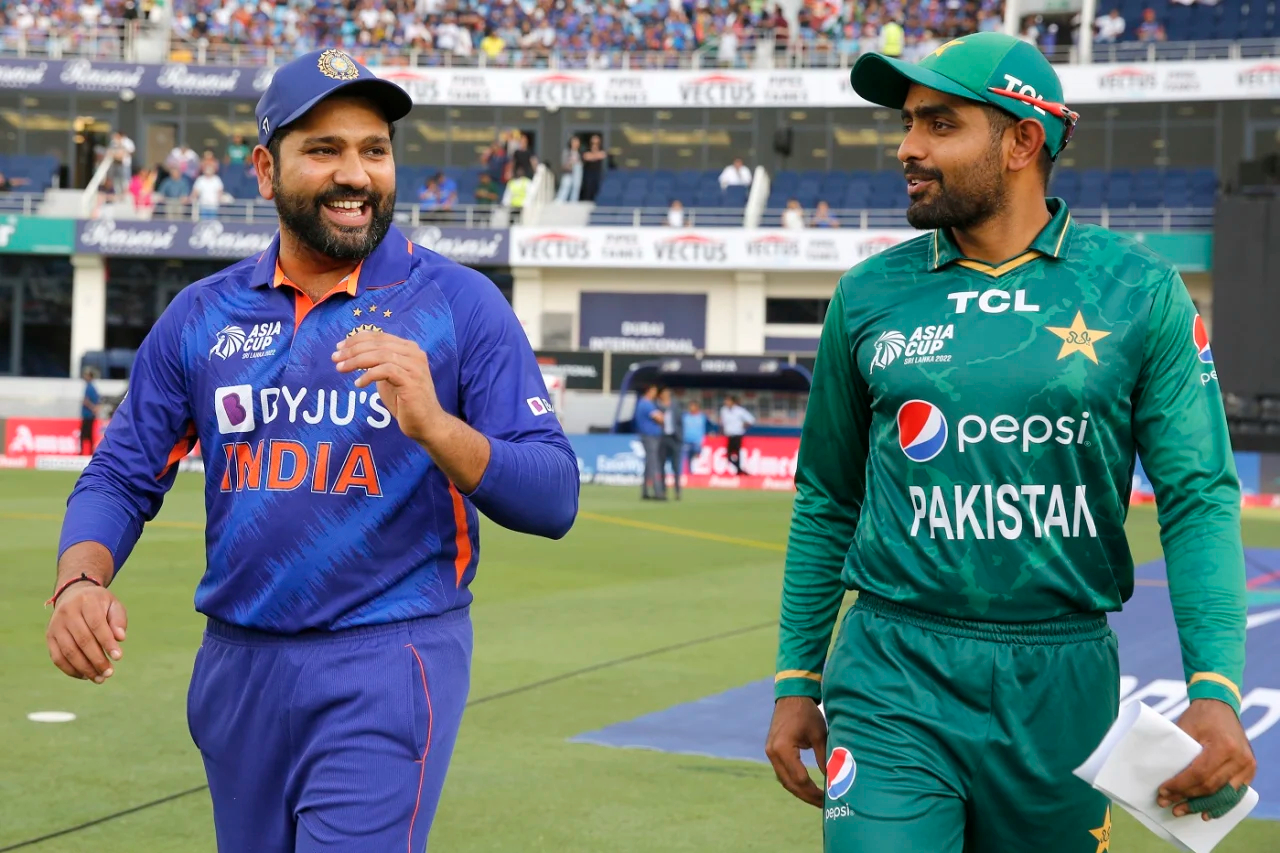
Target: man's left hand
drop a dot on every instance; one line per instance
(403, 377)
(1227, 757)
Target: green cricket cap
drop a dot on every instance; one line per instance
(990, 68)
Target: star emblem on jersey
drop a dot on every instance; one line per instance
(1103, 834)
(364, 327)
(1078, 338)
(356, 311)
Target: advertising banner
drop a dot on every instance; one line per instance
(45, 436)
(236, 240)
(1099, 83)
(34, 235)
(705, 249)
(642, 322)
(113, 78)
(581, 371)
(618, 460)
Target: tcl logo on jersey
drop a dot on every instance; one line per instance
(1200, 337)
(923, 347)
(923, 430)
(992, 301)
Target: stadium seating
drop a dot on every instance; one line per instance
(653, 190)
(1225, 21)
(1088, 189)
(40, 171)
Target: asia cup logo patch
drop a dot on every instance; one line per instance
(841, 770)
(922, 430)
(1200, 336)
(888, 347)
(229, 342)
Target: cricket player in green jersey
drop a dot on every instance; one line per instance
(979, 397)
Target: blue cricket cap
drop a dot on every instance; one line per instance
(312, 77)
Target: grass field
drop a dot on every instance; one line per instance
(641, 607)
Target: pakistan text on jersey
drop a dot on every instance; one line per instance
(988, 511)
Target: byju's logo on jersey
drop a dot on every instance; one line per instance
(233, 405)
(841, 771)
(229, 342)
(888, 347)
(922, 430)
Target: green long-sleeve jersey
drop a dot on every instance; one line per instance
(970, 441)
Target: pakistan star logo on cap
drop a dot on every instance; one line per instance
(339, 66)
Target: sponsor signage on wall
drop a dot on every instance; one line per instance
(1099, 83)
(35, 235)
(701, 249)
(656, 323)
(580, 371)
(236, 240)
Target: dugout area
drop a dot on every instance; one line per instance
(776, 390)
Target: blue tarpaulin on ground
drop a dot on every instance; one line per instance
(733, 724)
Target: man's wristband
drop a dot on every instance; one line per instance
(83, 577)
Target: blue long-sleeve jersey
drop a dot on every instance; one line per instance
(321, 513)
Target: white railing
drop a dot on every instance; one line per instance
(109, 43)
(1153, 219)
(23, 204)
(89, 198)
(694, 217)
(757, 198)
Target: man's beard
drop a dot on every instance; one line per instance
(974, 196)
(303, 218)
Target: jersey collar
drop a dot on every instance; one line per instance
(387, 264)
(1053, 241)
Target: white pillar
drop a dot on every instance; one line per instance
(1084, 48)
(748, 333)
(1012, 17)
(526, 301)
(88, 307)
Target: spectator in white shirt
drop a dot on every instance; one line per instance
(735, 175)
(675, 214)
(1110, 27)
(206, 192)
(120, 151)
(793, 216)
(734, 421)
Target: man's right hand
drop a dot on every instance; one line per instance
(85, 632)
(797, 725)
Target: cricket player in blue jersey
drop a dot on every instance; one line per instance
(358, 400)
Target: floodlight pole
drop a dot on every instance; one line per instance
(1088, 11)
(1012, 15)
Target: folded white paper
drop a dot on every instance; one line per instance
(1142, 750)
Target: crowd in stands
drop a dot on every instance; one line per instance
(525, 32)
(601, 32)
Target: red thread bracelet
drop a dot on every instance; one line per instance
(63, 588)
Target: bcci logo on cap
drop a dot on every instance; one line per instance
(922, 430)
(337, 65)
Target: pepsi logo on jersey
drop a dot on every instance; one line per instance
(1200, 338)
